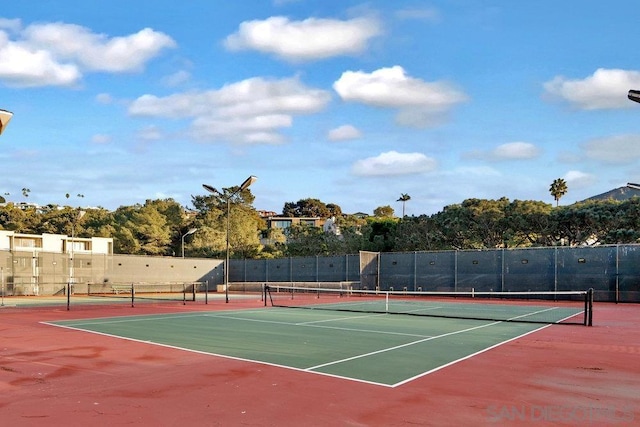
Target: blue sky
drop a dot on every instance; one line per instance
(349, 102)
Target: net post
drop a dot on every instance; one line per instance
(133, 293)
(206, 292)
(184, 294)
(590, 307)
(193, 289)
(68, 295)
(264, 293)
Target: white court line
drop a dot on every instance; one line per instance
(533, 313)
(337, 319)
(123, 319)
(384, 350)
(308, 325)
(469, 356)
(310, 369)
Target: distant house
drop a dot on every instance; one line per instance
(620, 194)
(285, 222)
(361, 215)
(266, 214)
(330, 227)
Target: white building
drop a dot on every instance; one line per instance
(55, 243)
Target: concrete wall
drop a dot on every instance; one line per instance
(47, 273)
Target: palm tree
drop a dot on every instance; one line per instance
(558, 189)
(403, 198)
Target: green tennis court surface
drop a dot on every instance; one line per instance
(381, 349)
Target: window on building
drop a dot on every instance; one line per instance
(281, 223)
(25, 242)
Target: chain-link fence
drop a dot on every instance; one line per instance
(48, 273)
(612, 271)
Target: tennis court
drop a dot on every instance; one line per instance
(171, 363)
(362, 344)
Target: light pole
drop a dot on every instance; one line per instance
(191, 231)
(247, 182)
(5, 116)
(634, 95)
(76, 218)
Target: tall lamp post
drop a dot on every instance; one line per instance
(76, 218)
(247, 182)
(191, 231)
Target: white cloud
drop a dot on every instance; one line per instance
(177, 78)
(506, 152)
(620, 149)
(577, 180)
(394, 163)
(10, 24)
(150, 133)
(101, 139)
(474, 171)
(249, 111)
(306, 40)
(605, 89)
(515, 151)
(344, 133)
(23, 67)
(419, 103)
(104, 98)
(56, 54)
(97, 51)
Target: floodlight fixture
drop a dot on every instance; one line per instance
(247, 182)
(210, 189)
(634, 95)
(191, 231)
(5, 116)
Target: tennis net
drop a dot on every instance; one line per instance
(146, 291)
(562, 307)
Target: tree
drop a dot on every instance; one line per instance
(414, 234)
(529, 224)
(141, 230)
(380, 233)
(14, 219)
(334, 210)
(306, 240)
(558, 189)
(383, 212)
(307, 208)
(211, 220)
(403, 198)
